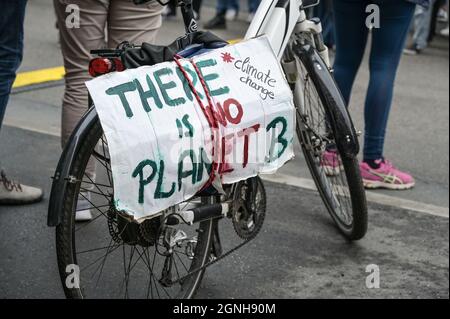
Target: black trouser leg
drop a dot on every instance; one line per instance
(197, 5)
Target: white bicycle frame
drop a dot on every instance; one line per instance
(279, 20)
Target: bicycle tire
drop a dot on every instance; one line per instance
(357, 229)
(66, 234)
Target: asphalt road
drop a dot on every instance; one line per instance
(299, 253)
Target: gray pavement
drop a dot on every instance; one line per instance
(299, 254)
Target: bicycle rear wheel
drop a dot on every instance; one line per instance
(336, 175)
(113, 257)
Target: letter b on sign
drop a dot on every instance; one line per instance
(373, 279)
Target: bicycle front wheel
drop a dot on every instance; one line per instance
(112, 257)
(336, 175)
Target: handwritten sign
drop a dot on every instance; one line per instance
(164, 148)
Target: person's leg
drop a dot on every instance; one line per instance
(197, 4)
(438, 4)
(324, 10)
(136, 24)
(253, 5)
(351, 40)
(234, 4)
(445, 32)
(232, 10)
(76, 44)
(170, 10)
(12, 17)
(173, 5)
(387, 45)
(422, 26)
(222, 7)
(219, 21)
(126, 21)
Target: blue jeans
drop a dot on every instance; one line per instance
(422, 25)
(325, 12)
(12, 14)
(387, 45)
(224, 5)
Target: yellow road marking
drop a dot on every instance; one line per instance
(52, 74)
(39, 76)
(234, 41)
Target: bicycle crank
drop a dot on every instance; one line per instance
(249, 211)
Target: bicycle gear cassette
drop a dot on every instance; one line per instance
(249, 209)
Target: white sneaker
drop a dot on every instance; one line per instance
(84, 213)
(445, 32)
(442, 15)
(13, 193)
(232, 15)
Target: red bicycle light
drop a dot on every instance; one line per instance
(100, 66)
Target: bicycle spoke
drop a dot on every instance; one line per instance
(94, 192)
(102, 265)
(100, 258)
(92, 250)
(96, 186)
(93, 206)
(149, 286)
(181, 261)
(90, 183)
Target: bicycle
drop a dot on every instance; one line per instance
(173, 250)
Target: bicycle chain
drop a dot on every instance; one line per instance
(212, 262)
(114, 234)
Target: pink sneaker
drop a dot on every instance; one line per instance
(386, 176)
(331, 163)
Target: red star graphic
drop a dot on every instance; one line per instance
(227, 58)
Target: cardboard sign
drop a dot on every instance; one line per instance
(165, 147)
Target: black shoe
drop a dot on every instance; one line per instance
(218, 22)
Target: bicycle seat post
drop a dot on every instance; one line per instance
(187, 11)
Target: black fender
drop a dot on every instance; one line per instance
(335, 106)
(61, 176)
